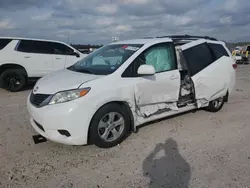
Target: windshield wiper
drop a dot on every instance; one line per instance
(71, 68)
(80, 70)
(84, 71)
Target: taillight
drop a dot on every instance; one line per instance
(235, 66)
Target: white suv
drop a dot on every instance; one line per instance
(22, 60)
(120, 86)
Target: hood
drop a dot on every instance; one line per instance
(62, 80)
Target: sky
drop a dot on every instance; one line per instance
(97, 21)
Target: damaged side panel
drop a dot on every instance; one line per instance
(152, 109)
(209, 75)
(212, 82)
(158, 93)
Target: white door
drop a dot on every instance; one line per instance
(63, 56)
(72, 59)
(59, 62)
(210, 75)
(35, 56)
(160, 91)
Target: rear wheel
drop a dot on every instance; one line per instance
(109, 126)
(13, 79)
(215, 105)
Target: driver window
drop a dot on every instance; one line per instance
(61, 49)
(161, 56)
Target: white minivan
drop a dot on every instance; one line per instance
(23, 60)
(122, 85)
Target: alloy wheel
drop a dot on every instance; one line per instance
(111, 126)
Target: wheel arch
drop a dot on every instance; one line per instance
(226, 96)
(6, 66)
(123, 104)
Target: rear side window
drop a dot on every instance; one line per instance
(4, 42)
(218, 50)
(198, 57)
(31, 46)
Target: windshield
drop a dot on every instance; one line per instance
(105, 60)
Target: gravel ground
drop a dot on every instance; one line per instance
(198, 149)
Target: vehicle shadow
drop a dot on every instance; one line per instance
(170, 170)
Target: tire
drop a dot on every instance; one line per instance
(103, 126)
(215, 105)
(13, 79)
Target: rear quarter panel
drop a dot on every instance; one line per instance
(215, 80)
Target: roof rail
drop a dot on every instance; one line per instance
(188, 37)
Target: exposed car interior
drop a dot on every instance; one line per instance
(187, 89)
(187, 94)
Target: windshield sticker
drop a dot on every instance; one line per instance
(132, 48)
(125, 46)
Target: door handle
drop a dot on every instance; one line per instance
(27, 57)
(58, 58)
(173, 77)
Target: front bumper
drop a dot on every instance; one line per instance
(66, 116)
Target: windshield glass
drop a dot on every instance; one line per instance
(105, 60)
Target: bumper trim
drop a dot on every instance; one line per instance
(55, 136)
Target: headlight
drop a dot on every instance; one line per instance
(65, 96)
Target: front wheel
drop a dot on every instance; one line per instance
(215, 105)
(109, 126)
(13, 79)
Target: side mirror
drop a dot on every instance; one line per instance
(146, 70)
(77, 54)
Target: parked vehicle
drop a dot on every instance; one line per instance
(120, 86)
(238, 59)
(238, 49)
(245, 54)
(23, 60)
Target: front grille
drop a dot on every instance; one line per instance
(38, 99)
